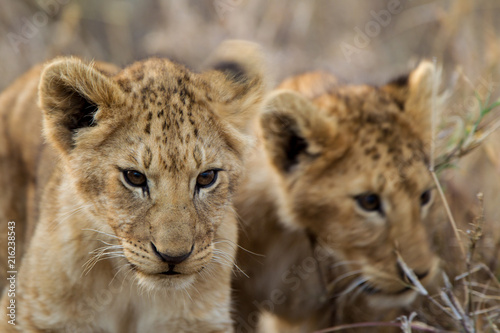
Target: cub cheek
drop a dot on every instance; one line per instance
(126, 226)
(91, 187)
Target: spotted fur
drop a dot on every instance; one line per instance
(326, 259)
(108, 256)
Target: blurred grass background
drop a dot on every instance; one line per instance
(297, 34)
(463, 36)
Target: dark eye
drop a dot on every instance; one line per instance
(135, 178)
(425, 198)
(369, 202)
(206, 178)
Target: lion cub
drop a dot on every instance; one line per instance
(335, 202)
(130, 198)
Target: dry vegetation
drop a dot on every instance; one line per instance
(463, 36)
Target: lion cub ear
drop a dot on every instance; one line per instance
(72, 95)
(419, 93)
(295, 130)
(238, 80)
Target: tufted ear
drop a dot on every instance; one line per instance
(416, 93)
(237, 77)
(294, 130)
(72, 95)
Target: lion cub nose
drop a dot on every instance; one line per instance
(171, 260)
(419, 275)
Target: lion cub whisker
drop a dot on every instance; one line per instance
(125, 265)
(353, 286)
(347, 263)
(104, 233)
(236, 245)
(101, 254)
(94, 260)
(331, 286)
(63, 217)
(227, 260)
(107, 243)
(103, 248)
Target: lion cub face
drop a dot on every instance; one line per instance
(155, 152)
(353, 166)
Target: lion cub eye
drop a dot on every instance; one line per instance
(369, 202)
(206, 178)
(135, 178)
(425, 197)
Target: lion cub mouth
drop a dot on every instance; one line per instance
(372, 290)
(170, 273)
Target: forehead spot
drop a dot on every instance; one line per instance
(371, 151)
(191, 119)
(148, 157)
(198, 156)
(138, 74)
(163, 163)
(125, 85)
(364, 142)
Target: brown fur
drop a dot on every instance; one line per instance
(324, 259)
(91, 265)
(311, 85)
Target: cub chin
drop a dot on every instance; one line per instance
(127, 203)
(333, 203)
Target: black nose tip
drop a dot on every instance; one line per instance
(171, 260)
(419, 275)
(422, 275)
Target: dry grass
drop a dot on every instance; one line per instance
(298, 35)
(462, 35)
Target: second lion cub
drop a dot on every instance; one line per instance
(334, 202)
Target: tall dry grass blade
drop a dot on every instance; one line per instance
(414, 326)
(449, 213)
(434, 111)
(435, 87)
(452, 302)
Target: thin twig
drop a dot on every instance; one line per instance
(448, 212)
(433, 115)
(415, 326)
(432, 161)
